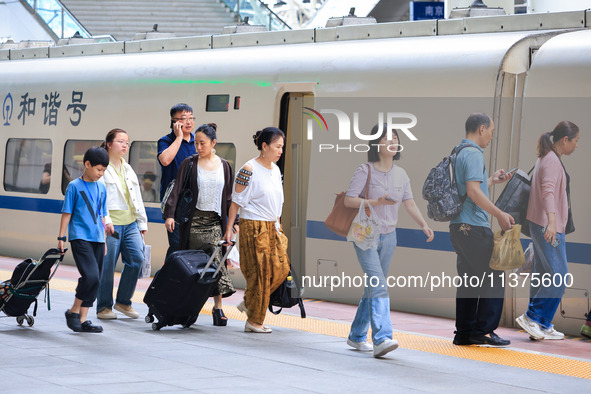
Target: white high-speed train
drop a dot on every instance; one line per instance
(326, 88)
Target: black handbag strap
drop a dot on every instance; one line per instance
(187, 184)
(300, 304)
(530, 171)
(567, 183)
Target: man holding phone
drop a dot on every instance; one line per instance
(173, 148)
(478, 308)
(508, 174)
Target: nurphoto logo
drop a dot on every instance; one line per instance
(401, 121)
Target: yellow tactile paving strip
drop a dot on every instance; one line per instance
(507, 357)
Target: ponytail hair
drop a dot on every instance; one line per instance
(562, 129)
(111, 137)
(267, 135)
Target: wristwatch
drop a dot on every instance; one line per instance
(62, 238)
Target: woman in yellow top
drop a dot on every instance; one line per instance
(126, 224)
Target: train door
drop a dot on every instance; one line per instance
(505, 147)
(295, 164)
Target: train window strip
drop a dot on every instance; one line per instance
(143, 159)
(73, 166)
(27, 165)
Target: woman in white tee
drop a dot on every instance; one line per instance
(258, 194)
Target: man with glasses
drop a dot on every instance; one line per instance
(173, 148)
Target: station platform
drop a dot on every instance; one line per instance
(300, 355)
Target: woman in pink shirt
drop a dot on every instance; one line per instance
(548, 214)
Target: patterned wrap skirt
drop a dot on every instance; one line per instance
(206, 233)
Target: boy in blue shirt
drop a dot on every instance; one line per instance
(82, 215)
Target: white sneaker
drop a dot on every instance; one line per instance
(361, 346)
(385, 347)
(531, 327)
(106, 314)
(551, 333)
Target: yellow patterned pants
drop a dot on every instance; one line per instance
(263, 262)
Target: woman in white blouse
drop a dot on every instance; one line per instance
(211, 183)
(258, 194)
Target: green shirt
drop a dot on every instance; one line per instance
(123, 218)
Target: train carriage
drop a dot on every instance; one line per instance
(326, 88)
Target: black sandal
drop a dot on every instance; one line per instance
(219, 319)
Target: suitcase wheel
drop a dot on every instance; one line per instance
(156, 326)
(30, 320)
(149, 319)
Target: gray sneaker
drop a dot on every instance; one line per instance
(531, 327)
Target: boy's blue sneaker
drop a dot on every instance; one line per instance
(87, 326)
(73, 321)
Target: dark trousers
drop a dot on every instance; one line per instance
(479, 303)
(89, 261)
(174, 239)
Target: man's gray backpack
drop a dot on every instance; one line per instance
(440, 189)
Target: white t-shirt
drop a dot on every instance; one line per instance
(211, 187)
(262, 199)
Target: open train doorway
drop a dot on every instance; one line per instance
(295, 166)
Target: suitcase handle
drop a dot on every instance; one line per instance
(215, 252)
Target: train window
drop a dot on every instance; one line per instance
(217, 103)
(142, 158)
(73, 156)
(27, 166)
(227, 151)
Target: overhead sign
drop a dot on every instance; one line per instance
(422, 10)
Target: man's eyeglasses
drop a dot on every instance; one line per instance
(184, 120)
(125, 143)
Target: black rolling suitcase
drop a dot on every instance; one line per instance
(181, 288)
(28, 279)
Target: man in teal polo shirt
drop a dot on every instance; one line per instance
(478, 307)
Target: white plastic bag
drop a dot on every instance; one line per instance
(527, 268)
(233, 259)
(146, 270)
(365, 230)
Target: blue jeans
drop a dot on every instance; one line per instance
(374, 307)
(549, 262)
(131, 248)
